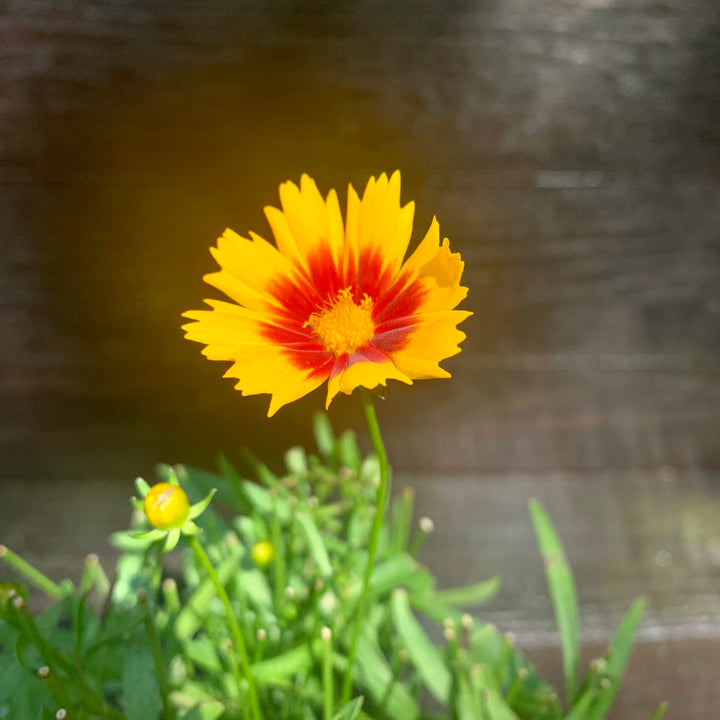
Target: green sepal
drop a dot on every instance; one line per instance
(200, 507)
(153, 534)
(142, 487)
(189, 528)
(172, 540)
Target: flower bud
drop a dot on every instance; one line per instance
(167, 506)
(263, 553)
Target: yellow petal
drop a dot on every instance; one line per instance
(268, 369)
(435, 339)
(379, 222)
(309, 221)
(365, 374)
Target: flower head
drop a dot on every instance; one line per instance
(168, 509)
(167, 506)
(331, 300)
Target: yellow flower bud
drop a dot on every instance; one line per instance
(263, 553)
(167, 506)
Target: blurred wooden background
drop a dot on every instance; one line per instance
(571, 151)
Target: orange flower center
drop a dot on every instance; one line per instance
(343, 327)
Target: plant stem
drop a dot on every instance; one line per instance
(40, 581)
(236, 633)
(156, 649)
(380, 504)
(327, 671)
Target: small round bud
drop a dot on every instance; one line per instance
(449, 634)
(509, 638)
(169, 585)
(289, 592)
(426, 525)
(18, 602)
(3, 551)
(403, 655)
(61, 714)
(522, 674)
(43, 672)
(448, 623)
(167, 506)
(326, 634)
(261, 635)
(263, 553)
(467, 621)
(91, 560)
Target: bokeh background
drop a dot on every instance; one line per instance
(571, 151)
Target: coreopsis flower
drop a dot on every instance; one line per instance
(331, 300)
(168, 509)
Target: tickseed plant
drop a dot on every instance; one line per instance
(298, 596)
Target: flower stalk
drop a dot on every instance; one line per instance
(380, 505)
(235, 632)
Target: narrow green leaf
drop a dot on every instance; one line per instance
(496, 708)
(348, 451)
(316, 544)
(373, 673)
(660, 712)
(349, 711)
(280, 667)
(398, 571)
(562, 592)
(296, 461)
(193, 614)
(324, 435)
(470, 594)
(618, 655)
(422, 653)
(235, 497)
(139, 684)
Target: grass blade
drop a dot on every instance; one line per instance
(562, 592)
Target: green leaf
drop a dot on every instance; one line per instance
(422, 653)
(660, 712)
(193, 614)
(400, 570)
(139, 684)
(296, 461)
(324, 435)
(373, 673)
(562, 592)
(470, 594)
(496, 708)
(618, 655)
(315, 541)
(348, 451)
(279, 668)
(210, 710)
(235, 497)
(349, 711)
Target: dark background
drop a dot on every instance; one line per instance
(571, 151)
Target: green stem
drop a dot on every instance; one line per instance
(156, 649)
(40, 581)
(328, 682)
(380, 504)
(236, 634)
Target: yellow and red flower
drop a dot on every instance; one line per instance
(332, 301)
